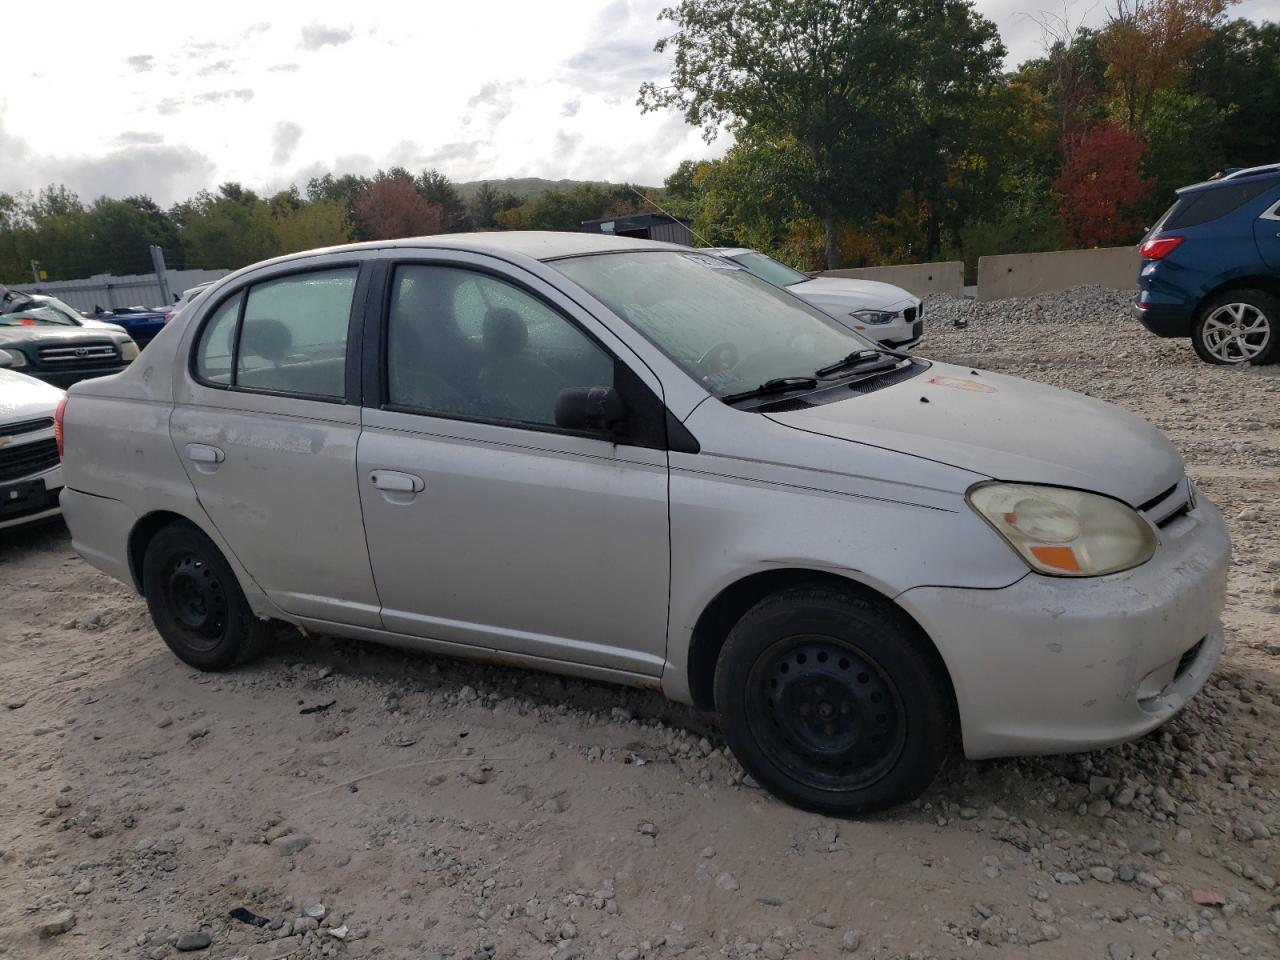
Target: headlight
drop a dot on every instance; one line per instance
(12, 359)
(128, 351)
(872, 316)
(1065, 533)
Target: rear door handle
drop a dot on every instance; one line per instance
(203, 453)
(394, 482)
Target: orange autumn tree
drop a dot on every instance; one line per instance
(1147, 45)
(392, 208)
(1100, 188)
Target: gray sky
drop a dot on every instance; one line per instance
(166, 99)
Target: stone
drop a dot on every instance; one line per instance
(851, 940)
(195, 940)
(727, 881)
(628, 953)
(647, 829)
(314, 909)
(290, 844)
(773, 950)
(1119, 951)
(1126, 873)
(305, 924)
(824, 920)
(56, 923)
(1102, 874)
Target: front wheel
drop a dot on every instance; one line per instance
(1239, 326)
(832, 703)
(196, 603)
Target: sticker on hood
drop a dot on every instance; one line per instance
(958, 383)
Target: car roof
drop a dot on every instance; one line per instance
(537, 244)
(1269, 172)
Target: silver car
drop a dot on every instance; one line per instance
(636, 462)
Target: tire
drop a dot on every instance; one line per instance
(196, 602)
(1238, 326)
(833, 703)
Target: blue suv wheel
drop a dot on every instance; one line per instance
(1238, 326)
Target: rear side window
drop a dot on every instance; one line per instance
(290, 337)
(1206, 205)
(214, 352)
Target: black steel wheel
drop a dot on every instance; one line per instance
(834, 701)
(196, 602)
(834, 718)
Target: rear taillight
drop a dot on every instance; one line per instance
(1157, 248)
(58, 430)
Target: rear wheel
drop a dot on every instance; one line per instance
(833, 703)
(1239, 326)
(196, 603)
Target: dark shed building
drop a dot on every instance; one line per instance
(644, 226)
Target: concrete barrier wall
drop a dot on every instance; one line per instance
(1022, 274)
(917, 278)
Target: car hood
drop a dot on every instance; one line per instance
(92, 330)
(25, 398)
(1007, 429)
(840, 296)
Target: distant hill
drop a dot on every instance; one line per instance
(527, 187)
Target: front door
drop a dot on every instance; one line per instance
(263, 425)
(487, 524)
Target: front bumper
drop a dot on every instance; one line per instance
(31, 499)
(1053, 665)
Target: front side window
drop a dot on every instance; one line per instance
(727, 328)
(287, 335)
(467, 344)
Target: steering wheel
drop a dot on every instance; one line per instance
(722, 356)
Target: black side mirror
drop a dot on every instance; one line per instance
(589, 408)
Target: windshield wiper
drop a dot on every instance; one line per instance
(857, 358)
(776, 385)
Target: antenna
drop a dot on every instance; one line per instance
(661, 209)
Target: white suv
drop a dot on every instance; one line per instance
(636, 462)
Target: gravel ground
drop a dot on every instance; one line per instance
(346, 800)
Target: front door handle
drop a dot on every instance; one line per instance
(205, 454)
(394, 482)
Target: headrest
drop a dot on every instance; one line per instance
(505, 334)
(266, 338)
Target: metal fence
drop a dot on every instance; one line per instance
(109, 292)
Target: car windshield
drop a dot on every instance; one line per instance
(725, 327)
(767, 268)
(24, 312)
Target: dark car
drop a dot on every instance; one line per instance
(46, 339)
(141, 323)
(1211, 268)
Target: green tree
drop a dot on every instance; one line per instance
(850, 83)
(437, 188)
(323, 223)
(486, 203)
(122, 231)
(232, 229)
(1238, 68)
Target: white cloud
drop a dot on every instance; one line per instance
(481, 90)
(315, 36)
(284, 141)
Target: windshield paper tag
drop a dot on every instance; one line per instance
(715, 263)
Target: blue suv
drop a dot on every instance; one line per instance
(1211, 268)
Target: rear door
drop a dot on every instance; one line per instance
(487, 524)
(1266, 230)
(266, 427)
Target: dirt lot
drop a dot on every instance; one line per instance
(436, 808)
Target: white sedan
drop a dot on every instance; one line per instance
(881, 311)
(30, 472)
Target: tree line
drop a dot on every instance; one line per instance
(863, 132)
(873, 132)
